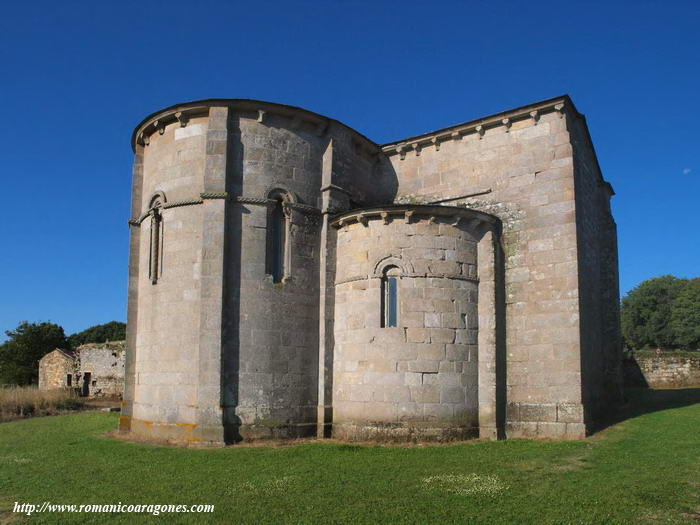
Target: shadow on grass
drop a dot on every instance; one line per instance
(640, 401)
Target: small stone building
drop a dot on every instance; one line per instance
(290, 277)
(94, 370)
(57, 370)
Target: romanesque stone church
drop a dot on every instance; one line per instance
(290, 277)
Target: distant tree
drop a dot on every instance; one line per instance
(646, 313)
(685, 316)
(112, 331)
(26, 344)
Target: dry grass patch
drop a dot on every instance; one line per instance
(20, 402)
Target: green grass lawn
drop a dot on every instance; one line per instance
(643, 470)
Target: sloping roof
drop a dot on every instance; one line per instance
(64, 353)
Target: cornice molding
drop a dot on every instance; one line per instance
(257, 110)
(416, 212)
(505, 119)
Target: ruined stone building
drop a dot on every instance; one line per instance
(94, 370)
(290, 277)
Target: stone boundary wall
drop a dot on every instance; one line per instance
(662, 372)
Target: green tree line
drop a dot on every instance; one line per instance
(29, 342)
(663, 312)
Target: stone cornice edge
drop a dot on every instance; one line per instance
(479, 126)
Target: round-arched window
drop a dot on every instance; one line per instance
(390, 297)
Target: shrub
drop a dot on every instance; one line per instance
(663, 312)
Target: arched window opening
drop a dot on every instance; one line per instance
(155, 255)
(277, 236)
(278, 257)
(390, 297)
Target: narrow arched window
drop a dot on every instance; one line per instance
(277, 236)
(390, 297)
(155, 256)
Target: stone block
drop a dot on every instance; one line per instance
(423, 366)
(413, 379)
(570, 413)
(551, 430)
(431, 352)
(425, 394)
(432, 320)
(452, 394)
(575, 431)
(442, 335)
(417, 335)
(538, 412)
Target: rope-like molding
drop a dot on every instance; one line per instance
(188, 202)
(305, 208)
(214, 195)
(266, 202)
(453, 276)
(253, 200)
(174, 204)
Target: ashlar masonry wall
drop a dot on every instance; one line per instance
(520, 170)
(219, 350)
(164, 318)
(418, 379)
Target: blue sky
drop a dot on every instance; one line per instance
(78, 76)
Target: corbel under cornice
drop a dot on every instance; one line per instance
(506, 120)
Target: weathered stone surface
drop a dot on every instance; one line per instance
(662, 371)
(94, 370)
(262, 238)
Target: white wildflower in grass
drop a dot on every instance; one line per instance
(268, 487)
(13, 459)
(465, 484)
